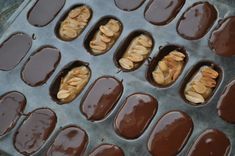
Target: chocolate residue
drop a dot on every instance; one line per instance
(130, 5)
(107, 150)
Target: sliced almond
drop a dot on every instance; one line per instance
(145, 41)
(208, 82)
(98, 45)
(62, 94)
(74, 13)
(209, 72)
(158, 76)
(126, 63)
(114, 25)
(68, 33)
(106, 31)
(134, 57)
(140, 50)
(194, 97)
(199, 88)
(163, 66)
(105, 38)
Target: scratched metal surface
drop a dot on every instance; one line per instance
(169, 98)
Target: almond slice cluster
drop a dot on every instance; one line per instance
(72, 84)
(75, 23)
(199, 89)
(169, 68)
(105, 37)
(137, 52)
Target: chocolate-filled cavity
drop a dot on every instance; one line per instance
(211, 142)
(226, 104)
(134, 51)
(59, 79)
(101, 98)
(107, 150)
(196, 20)
(200, 83)
(165, 51)
(130, 6)
(44, 11)
(34, 131)
(13, 50)
(12, 105)
(222, 38)
(40, 66)
(103, 35)
(170, 134)
(71, 141)
(135, 115)
(162, 12)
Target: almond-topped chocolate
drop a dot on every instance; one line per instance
(170, 134)
(130, 6)
(13, 50)
(100, 99)
(71, 141)
(107, 150)
(197, 20)
(212, 142)
(135, 115)
(34, 131)
(12, 105)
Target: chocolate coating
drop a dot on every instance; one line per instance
(170, 134)
(34, 131)
(40, 66)
(130, 6)
(13, 50)
(102, 96)
(135, 115)
(12, 104)
(162, 12)
(44, 11)
(211, 142)
(107, 150)
(71, 141)
(197, 20)
(226, 104)
(222, 38)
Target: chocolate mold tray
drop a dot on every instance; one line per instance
(169, 98)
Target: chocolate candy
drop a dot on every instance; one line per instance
(222, 39)
(34, 131)
(135, 115)
(71, 141)
(162, 12)
(12, 104)
(197, 20)
(170, 134)
(211, 142)
(40, 66)
(107, 150)
(100, 99)
(13, 50)
(44, 11)
(130, 6)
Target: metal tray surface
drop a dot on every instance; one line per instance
(203, 117)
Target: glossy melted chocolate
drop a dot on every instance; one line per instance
(130, 5)
(13, 50)
(71, 141)
(12, 105)
(197, 20)
(135, 115)
(102, 96)
(34, 131)
(170, 134)
(107, 150)
(222, 38)
(212, 143)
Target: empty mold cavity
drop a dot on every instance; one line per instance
(204, 84)
(95, 31)
(56, 84)
(164, 51)
(125, 45)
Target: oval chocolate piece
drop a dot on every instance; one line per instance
(12, 104)
(197, 21)
(130, 6)
(102, 96)
(40, 66)
(222, 38)
(211, 142)
(135, 115)
(226, 104)
(162, 12)
(34, 131)
(170, 134)
(44, 11)
(71, 141)
(107, 150)
(13, 50)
